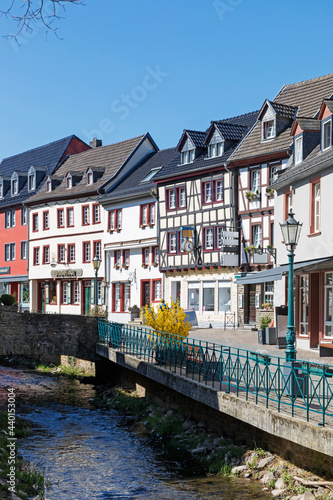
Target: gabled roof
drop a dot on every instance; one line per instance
(307, 96)
(44, 157)
(109, 158)
(132, 185)
(282, 110)
(306, 124)
(197, 138)
(228, 131)
(326, 103)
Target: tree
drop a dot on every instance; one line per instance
(167, 321)
(31, 15)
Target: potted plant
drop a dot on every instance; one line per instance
(155, 264)
(252, 195)
(269, 192)
(124, 266)
(144, 265)
(267, 305)
(264, 322)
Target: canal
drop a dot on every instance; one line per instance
(88, 453)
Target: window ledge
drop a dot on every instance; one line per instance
(311, 235)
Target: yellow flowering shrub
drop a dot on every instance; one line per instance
(167, 320)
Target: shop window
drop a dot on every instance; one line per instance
(303, 304)
(269, 292)
(52, 292)
(76, 292)
(193, 295)
(208, 297)
(224, 298)
(328, 332)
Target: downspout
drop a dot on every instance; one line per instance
(25, 207)
(233, 182)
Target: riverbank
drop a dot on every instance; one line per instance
(219, 455)
(18, 479)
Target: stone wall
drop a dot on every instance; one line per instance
(47, 337)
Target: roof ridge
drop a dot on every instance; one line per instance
(39, 147)
(110, 145)
(237, 116)
(302, 82)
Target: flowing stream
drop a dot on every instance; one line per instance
(87, 453)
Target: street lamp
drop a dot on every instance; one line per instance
(291, 230)
(96, 265)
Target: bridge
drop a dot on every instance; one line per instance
(290, 403)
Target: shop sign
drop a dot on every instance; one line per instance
(66, 273)
(4, 270)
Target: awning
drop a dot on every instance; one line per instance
(276, 273)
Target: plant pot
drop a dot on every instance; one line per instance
(270, 335)
(135, 313)
(261, 337)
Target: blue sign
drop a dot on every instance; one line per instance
(4, 270)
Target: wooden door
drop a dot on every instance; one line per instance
(252, 303)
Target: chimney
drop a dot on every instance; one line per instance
(95, 143)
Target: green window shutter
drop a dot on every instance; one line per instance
(47, 294)
(92, 300)
(69, 292)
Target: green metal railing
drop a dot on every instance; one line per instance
(298, 388)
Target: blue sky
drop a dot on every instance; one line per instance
(124, 68)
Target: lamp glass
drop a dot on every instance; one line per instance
(96, 263)
(291, 230)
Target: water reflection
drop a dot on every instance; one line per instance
(92, 454)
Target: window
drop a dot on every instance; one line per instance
(171, 199)
(9, 251)
(126, 258)
(157, 290)
(151, 174)
(172, 242)
(76, 292)
(255, 181)
(176, 198)
(46, 255)
(31, 182)
(24, 250)
(35, 222)
(269, 292)
(224, 295)
(86, 251)
(69, 181)
(61, 253)
(127, 294)
(314, 206)
(145, 256)
(218, 190)
(298, 150)
(60, 217)
(273, 172)
(49, 186)
(147, 214)
(219, 236)
(71, 253)
(181, 197)
(152, 213)
(303, 304)
(115, 220)
(207, 192)
(85, 215)
(327, 134)
(193, 295)
(90, 179)
(46, 224)
(1, 190)
(14, 187)
(70, 217)
(117, 297)
(144, 213)
(24, 216)
(10, 219)
(268, 129)
(65, 292)
(208, 296)
(328, 332)
(36, 256)
(53, 292)
(98, 249)
(256, 236)
(117, 258)
(187, 156)
(96, 213)
(209, 238)
(156, 255)
(215, 150)
(99, 292)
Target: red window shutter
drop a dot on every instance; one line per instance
(113, 297)
(122, 296)
(140, 222)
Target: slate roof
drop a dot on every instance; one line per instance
(309, 123)
(203, 162)
(47, 156)
(284, 110)
(110, 158)
(229, 131)
(132, 185)
(307, 96)
(196, 137)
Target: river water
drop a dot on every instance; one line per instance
(87, 453)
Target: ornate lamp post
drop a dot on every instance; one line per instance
(96, 265)
(291, 230)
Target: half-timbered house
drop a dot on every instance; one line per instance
(198, 234)
(265, 152)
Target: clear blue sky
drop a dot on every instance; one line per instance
(127, 67)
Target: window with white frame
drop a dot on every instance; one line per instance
(316, 215)
(70, 217)
(32, 182)
(207, 186)
(255, 181)
(46, 220)
(118, 258)
(64, 292)
(24, 216)
(187, 156)
(86, 251)
(49, 186)
(182, 197)
(69, 181)
(1, 190)
(219, 236)
(10, 218)
(24, 250)
(71, 252)
(273, 172)
(36, 256)
(127, 258)
(215, 150)
(328, 318)
(61, 218)
(112, 220)
(9, 251)
(117, 297)
(208, 296)
(256, 236)
(303, 304)
(218, 190)
(144, 209)
(61, 253)
(268, 129)
(298, 150)
(35, 222)
(119, 218)
(127, 293)
(96, 214)
(146, 256)
(156, 254)
(209, 238)
(157, 290)
(76, 292)
(14, 187)
(327, 134)
(99, 292)
(269, 292)
(152, 213)
(46, 255)
(85, 215)
(172, 242)
(171, 198)
(98, 249)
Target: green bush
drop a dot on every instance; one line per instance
(265, 321)
(7, 300)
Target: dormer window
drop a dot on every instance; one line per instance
(268, 129)
(327, 134)
(69, 183)
(49, 186)
(298, 150)
(187, 156)
(31, 182)
(14, 187)
(1, 190)
(90, 178)
(215, 150)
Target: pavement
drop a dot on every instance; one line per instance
(248, 340)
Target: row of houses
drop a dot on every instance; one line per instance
(197, 222)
